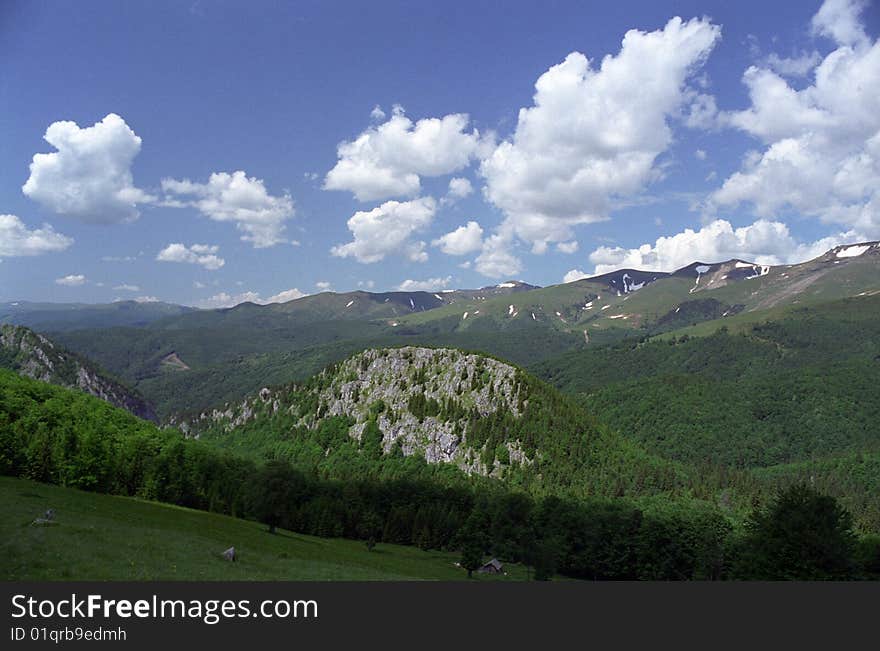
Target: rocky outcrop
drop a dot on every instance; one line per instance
(423, 401)
(33, 355)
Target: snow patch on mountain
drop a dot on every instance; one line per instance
(853, 251)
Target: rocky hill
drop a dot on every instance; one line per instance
(420, 401)
(33, 355)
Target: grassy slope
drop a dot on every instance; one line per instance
(103, 537)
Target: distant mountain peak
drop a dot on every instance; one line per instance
(626, 281)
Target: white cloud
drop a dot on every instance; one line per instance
(199, 285)
(224, 299)
(839, 21)
(700, 154)
(147, 299)
(73, 280)
(573, 275)
(125, 287)
(763, 242)
(239, 199)
(387, 229)
(594, 134)
(388, 160)
(377, 113)
(567, 247)
(16, 239)
(89, 176)
(429, 285)
(200, 254)
(496, 260)
(459, 188)
(822, 143)
(463, 240)
(368, 284)
(286, 295)
(324, 286)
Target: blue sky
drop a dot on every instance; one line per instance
(211, 152)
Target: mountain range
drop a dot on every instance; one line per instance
(658, 407)
(183, 359)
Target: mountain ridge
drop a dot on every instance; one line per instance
(33, 355)
(234, 348)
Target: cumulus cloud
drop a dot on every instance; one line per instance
(839, 21)
(594, 133)
(567, 247)
(459, 188)
(821, 144)
(387, 229)
(429, 285)
(388, 160)
(463, 240)
(573, 275)
(287, 295)
(496, 259)
(16, 239)
(200, 254)
(72, 280)
(239, 199)
(89, 176)
(763, 242)
(324, 286)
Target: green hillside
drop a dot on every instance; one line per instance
(54, 435)
(35, 356)
(104, 537)
(620, 514)
(788, 390)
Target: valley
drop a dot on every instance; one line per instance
(648, 406)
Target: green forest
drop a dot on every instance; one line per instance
(55, 435)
